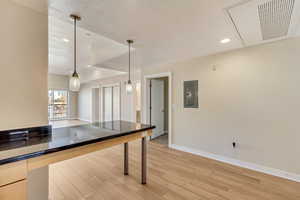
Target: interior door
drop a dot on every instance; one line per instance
(157, 106)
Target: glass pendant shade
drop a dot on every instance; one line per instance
(129, 87)
(74, 84)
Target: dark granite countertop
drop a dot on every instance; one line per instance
(67, 138)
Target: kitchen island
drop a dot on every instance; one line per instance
(24, 150)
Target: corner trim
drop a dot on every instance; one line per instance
(239, 163)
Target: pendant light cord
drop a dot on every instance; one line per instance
(75, 45)
(129, 59)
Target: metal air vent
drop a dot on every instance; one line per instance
(275, 18)
(261, 21)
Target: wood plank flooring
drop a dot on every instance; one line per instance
(172, 175)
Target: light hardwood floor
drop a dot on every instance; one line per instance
(172, 175)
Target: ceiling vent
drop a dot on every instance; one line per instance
(275, 18)
(259, 21)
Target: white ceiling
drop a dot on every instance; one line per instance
(163, 30)
(92, 48)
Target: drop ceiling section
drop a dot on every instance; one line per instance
(92, 48)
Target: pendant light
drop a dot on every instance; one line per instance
(129, 86)
(74, 84)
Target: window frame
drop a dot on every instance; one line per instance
(51, 105)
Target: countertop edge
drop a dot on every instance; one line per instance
(70, 146)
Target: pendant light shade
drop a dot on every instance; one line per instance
(74, 84)
(129, 86)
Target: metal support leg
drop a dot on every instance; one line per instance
(126, 159)
(144, 160)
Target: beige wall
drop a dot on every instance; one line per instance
(23, 77)
(61, 82)
(23, 67)
(253, 97)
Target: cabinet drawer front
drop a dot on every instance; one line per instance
(13, 172)
(15, 191)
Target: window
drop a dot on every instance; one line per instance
(58, 101)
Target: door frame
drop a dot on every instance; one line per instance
(146, 101)
(101, 92)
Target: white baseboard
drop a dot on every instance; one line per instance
(239, 163)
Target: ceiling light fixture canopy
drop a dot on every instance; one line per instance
(129, 86)
(74, 84)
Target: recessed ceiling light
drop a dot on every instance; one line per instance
(66, 40)
(89, 66)
(226, 40)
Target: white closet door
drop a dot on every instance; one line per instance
(107, 104)
(116, 103)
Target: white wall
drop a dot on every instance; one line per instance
(85, 103)
(85, 98)
(73, 105)
(58, 82)
(23, 67)
(95, 105)
(253, 97)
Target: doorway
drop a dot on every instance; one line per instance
(158, 106)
